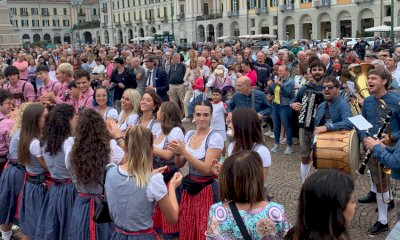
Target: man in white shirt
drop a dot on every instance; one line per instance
(204, 70)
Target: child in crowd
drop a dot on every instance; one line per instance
(219, 112)
(52, 72)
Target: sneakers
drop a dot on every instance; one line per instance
(370, 198)
(186, 120)
(275, 148)
(269, 133)
(288, 150)
(378, 228)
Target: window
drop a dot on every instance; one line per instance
(56, 23)
(13, 11)
(253, 22)
(205, 9)
(35, 23)
(165, 12)
(182, 9)
(24, 23)
(251, 4)
(14, 23)
(34, 11)
(235, 5)
(54, 11)
(118, 5)
(23, 11)
(158, 12)
(263, 4)
(45, 11)
(65, 11)
(94, 11)
(45, 23)
(273, 3)
(133, 3)
(66, 23)
(124, 17)
(134, 16)
(123, 3)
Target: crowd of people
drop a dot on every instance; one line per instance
(65, 114)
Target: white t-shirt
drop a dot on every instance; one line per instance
(116, 154)
(260, 149)
(218, 116)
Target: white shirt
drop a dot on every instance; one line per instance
(99, 69)
(218, 116)
(260, 149)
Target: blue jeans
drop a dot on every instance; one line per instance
(282, 115)
(192, 104)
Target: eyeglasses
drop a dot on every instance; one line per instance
(328, 87)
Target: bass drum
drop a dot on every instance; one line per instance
(339, 150)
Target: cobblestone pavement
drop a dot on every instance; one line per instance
(284, 183)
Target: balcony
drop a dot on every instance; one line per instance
(322, 3)
(151, 20)
(283, 7)
(234, 13)
(81, 14)
(261, 10)
(362, 1)
(86, 25)
(24, 14)
(209, 16)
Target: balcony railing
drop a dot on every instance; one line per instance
(234, 13)
(85, 25)
(286, 7)
(261, 10)
(209, 16)
(322, 3)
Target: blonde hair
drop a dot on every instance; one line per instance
(66, 68)
(139, 148)
(134, 98)
(18, 119)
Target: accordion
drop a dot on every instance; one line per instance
(309, 104)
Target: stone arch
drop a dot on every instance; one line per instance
(366, 17)
(264, 28)
(305, 26)
(106, 37)
(26, 38)
(344, 21)
(36, 38)
(288, 28)
(88, 37)
(211, 33)
(120, 36)
(201, 33)
(57, 38)
(324, 27)
(235, 29)
(130, 34)
(47, 37)
(220, 29)
(67, 38)
(141, 32)
(153, 30)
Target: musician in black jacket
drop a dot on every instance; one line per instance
(299, 104)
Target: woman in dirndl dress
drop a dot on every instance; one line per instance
(87, 166)
(56, 212)
(133, 189)
(12, 180)
(149, 105)
(169, 117)
(200, 190)
(34, 191)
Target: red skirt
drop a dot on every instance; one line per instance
(193, 213)
(161, 224)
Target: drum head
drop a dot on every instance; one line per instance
(354, 158)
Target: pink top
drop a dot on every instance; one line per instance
(23, 69)
(63, 95)
(253, 77)
(110, 69)
(85, 100)
(23, 92)
(6, 125)
(52, 86)
(198, 84)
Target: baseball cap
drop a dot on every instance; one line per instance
(295, 42)
(119, 60)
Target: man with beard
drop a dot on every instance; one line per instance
(333, 114)
(379, 80)
(299, 104)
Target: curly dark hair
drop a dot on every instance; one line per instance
(57, 128)
(91, 151)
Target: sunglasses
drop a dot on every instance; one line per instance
(328, 87)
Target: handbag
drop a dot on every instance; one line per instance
(239, 221)
(102, 214)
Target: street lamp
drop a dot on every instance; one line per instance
(77, 4)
